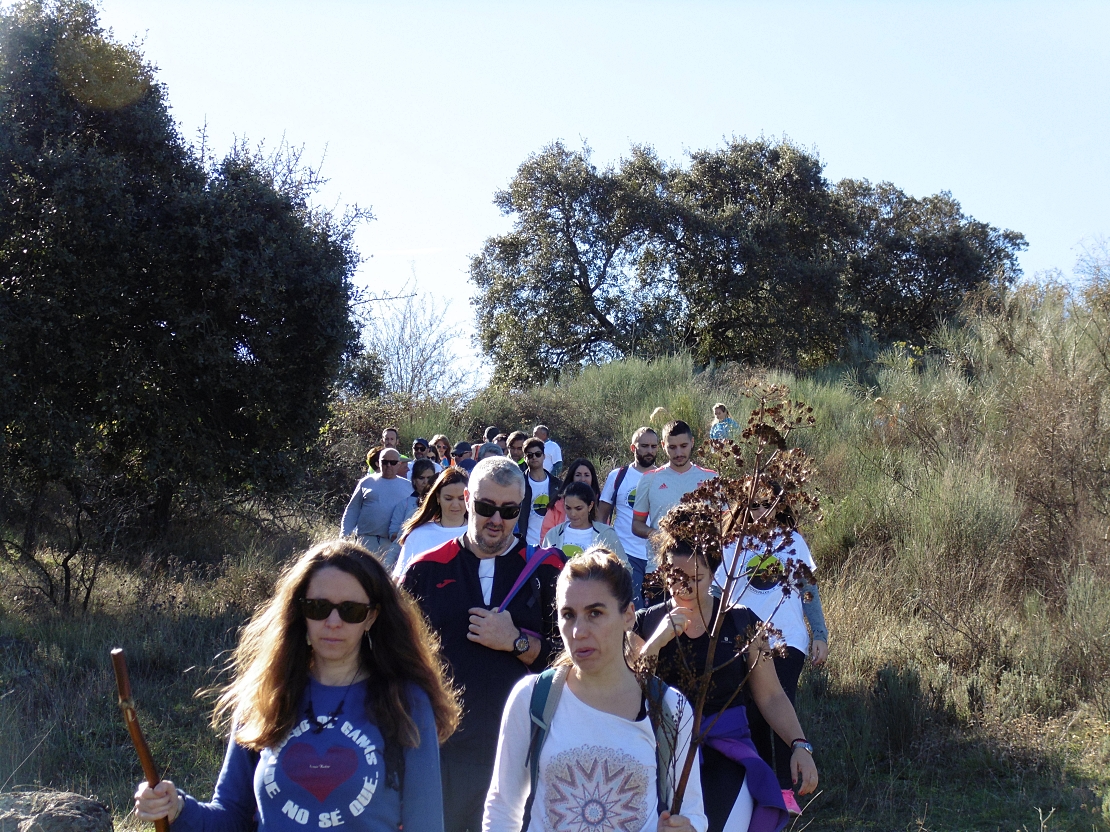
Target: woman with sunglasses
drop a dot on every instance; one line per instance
(760, 590)
(741, 791)
(337, 706)
(442, 447)
(441, 517)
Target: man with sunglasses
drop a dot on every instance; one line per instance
(371, 507)
(461, 586)
(541, 491)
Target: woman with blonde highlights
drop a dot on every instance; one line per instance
(337, 705)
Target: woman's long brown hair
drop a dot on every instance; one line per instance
(429, 507)
(270, 667)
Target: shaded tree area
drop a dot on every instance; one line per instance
(571, 283)
(645, 257)
(169, 325)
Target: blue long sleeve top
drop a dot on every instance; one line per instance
(326, 774)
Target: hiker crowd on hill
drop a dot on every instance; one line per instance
(464, 657)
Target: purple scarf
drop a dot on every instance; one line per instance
(732, 738)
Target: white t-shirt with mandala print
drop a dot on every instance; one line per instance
(597, 770)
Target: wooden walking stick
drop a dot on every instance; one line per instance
(127, 705)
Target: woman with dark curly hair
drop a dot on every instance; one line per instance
(337, 706)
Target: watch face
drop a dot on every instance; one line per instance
(521, 644)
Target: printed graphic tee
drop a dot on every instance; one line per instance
(540, 503)
(597, 770)
(328, 772)
(622, 504)
(762, 593)
(576, 541)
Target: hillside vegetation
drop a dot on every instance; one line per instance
(963, 558)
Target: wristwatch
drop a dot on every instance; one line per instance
(805, 746)
(520, 646)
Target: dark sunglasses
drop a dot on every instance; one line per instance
(391, 462)
(485, 508)
(318, 609)
(534, 454)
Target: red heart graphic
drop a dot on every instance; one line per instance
(320, 776)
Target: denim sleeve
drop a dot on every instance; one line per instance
(814, 613)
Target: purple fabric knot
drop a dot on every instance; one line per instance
(731, 736)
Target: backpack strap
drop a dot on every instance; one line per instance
(665, 728)
(617, 490)
(545, 699)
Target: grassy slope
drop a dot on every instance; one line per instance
(962, 558)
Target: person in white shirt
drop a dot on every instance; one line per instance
(552, 453)
(599, 753)
(541, 490)
(441, 517)
(618, 497)
(580, 530)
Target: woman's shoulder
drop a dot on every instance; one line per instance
(742, 618)
(648, 618)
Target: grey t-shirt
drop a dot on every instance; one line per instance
(661, 489)
(372, 505)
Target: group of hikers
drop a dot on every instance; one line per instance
(469, 655)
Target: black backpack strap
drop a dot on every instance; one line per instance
(617, 490)
(545, 699)
(665, 728)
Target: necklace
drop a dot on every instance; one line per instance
(320, 723)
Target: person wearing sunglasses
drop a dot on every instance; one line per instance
(336, 706)
(371, 507)
(491, 636)
(541, 491)
(462, 456)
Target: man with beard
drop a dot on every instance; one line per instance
(661, 489)
(619, 493)
(461, 587)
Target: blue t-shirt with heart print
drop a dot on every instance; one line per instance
(328, 773)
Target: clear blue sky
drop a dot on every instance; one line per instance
(426, 109)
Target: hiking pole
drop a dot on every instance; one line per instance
(127, 705)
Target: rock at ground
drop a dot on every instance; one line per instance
(46, 811)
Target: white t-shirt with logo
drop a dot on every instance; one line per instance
(622, 503)
(540, 504)
(577, 541)
(762, 594)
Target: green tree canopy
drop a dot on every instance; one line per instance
(568, 284)
(164, 321)
(744, 254)
(753, 243)
(911, 261)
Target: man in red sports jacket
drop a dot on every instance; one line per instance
(461, 586)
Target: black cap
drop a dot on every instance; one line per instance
(460, 449)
